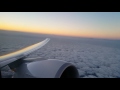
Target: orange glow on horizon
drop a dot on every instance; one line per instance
(75, 24)
(45, 30)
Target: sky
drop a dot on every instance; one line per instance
(80, 24)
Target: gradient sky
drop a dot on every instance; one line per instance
(83, 24)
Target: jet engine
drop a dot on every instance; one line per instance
(46, 69)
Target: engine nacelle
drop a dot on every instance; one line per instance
(46, 69)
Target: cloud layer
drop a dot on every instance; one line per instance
(92, 60)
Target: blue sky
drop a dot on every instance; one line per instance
(86, 24)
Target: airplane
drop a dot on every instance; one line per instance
(37, 67)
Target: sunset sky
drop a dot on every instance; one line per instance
(83, 24)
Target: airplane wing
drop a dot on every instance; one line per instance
(9, 58)
(38, 68)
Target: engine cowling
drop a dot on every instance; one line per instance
(46, 69)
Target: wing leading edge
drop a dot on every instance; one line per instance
(9, 58)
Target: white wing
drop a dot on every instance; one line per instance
(9, 58)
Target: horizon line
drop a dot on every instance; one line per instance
(59, 34)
